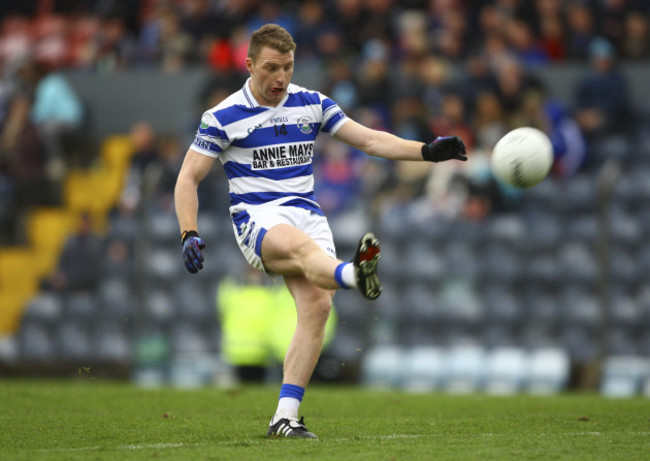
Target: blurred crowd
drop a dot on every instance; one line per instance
(415, 67)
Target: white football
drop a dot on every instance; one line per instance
(523, 157)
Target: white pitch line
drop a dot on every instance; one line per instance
(162, 446)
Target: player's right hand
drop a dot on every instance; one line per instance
(192, 255)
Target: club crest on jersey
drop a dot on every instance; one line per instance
(304, 125)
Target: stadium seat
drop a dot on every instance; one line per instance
(625, 227)
(579, 307)
(111, 343)
(544, 231)
(349, 226)
(159, 307)
(579, 195)
(506, 369)
(581, 344)
(163, 228)
(464, 368)
(503, 305)
(187, 338)
(622, 376)
(542, 270)
(36, 343)
(501, 263)
(8, 349)
(420, 261)
(582, 227)
(548, 371)
(192, 301)
(164, 264)
(620, 342)
(81, 305)
(381, 366)
(459, 261)
(577, 263)
(73, 341)
(45, 306)
(116, 298)
(423, 369)
(420, 304)
(507, 229)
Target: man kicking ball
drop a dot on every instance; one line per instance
(264, 136)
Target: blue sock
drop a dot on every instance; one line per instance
(292, 391)
(289, 403)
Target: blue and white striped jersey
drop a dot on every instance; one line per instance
(267, 152)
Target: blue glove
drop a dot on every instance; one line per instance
(444, 148)
(192, 255)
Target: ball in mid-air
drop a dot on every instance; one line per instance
(523, 157)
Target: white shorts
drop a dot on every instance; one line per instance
(251, 225)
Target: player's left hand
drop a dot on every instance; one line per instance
(192, 255)
(444, 148)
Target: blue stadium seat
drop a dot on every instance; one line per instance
(549, 371)
(505, 370)
(423, 369)
(465, 368)
(381, 366)
(622, 376)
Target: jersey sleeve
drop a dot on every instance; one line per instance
(333, 116)
(210, 139)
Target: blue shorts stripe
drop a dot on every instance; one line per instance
(258, 242)
(258, 198)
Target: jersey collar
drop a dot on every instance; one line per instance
(252, 102)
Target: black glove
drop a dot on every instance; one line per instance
(192, 246)
(444, 148)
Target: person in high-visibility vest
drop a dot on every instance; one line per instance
(257, 322)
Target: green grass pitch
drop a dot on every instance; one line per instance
(102, 420)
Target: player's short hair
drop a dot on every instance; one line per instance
(273, 36)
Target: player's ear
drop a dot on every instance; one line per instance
(249, 65)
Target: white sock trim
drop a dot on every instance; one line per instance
(348, 276)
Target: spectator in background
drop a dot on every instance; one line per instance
(79, 268)
(601, 95)
(636, 42)
(581, 29)
(58, 114)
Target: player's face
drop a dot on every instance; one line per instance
(271, 74)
